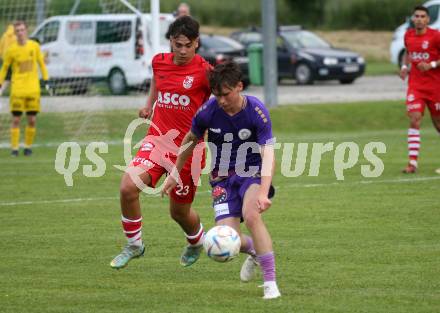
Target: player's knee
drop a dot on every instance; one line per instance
(251, 218)
(415, 121)
(32, 121)
(15, 123)
(128, 189)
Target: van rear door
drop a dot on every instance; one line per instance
(113, 48)
(80, 48)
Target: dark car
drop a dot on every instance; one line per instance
(306, 57)
(217, 49)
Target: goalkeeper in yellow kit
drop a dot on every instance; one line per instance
(24, 57)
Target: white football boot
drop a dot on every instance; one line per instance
(271, 290)
(129, 252)
(248, 269)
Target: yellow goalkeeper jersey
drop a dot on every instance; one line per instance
(8, 38)
(24, 60)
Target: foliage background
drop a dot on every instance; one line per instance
(322, 14)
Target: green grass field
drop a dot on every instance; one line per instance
(377, 68)
(358, 245)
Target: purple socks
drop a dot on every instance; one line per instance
(267, 264)
(249, 249)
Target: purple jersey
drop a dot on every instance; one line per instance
(234, 140)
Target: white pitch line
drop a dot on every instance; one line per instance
(55, 201)
(365, 182)
(5, 145)
(385, 181)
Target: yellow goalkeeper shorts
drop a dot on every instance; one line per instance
(25, 104)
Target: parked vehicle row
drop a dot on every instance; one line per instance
(305, 57)
(117, 48)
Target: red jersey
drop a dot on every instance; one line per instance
(423, 48)
(181, 91)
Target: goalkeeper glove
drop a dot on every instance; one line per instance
(48, 87)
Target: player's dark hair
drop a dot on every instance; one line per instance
(20, 22)
(421, 8)
(186, 26)
(225, 74)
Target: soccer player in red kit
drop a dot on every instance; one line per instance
(422, 56)
(179, 87)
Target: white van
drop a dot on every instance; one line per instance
(112, 47)
(397, 47)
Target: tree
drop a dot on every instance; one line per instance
(310, 12)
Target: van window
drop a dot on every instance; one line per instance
(48, 33)
(433, 13)
(112, 32)
(80, 33)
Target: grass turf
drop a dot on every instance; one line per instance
(358, 245)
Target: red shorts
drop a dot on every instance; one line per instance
(416, 101)
(183, 193)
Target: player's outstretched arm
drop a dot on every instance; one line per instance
(404, 69)
(186, 149)
(5, 66)
(41, 64)
(267, 171)
(147, 110)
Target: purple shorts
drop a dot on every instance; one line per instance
(228, 194)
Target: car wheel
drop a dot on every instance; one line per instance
(347, 81)
(303, 74)
(117, 83)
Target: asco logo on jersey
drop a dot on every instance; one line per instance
(173, 98)
(419, 56)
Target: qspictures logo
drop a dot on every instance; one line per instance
(346, 155)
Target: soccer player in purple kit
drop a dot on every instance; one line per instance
(241, 141)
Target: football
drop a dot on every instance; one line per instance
(222, 243)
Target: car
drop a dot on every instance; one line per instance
(305, 57)
(397, 46)
(115, 48)
(217, 49)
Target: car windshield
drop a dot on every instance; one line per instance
(304, 39)
(248, 38)
(220, 43)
